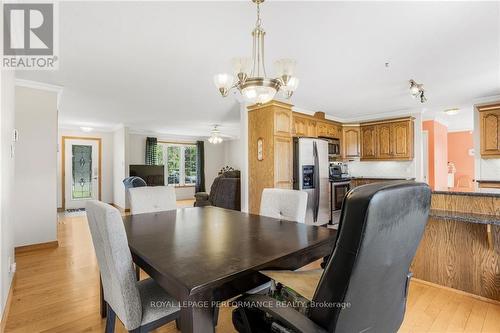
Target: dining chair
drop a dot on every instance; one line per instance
(283, 204)
(140, 305)
(364, 286)
(152, 199)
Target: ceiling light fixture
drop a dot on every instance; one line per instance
(452, 112)
(252, 80)
(417, 90)
(86, 129)
(215, 137)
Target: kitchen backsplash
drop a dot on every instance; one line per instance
(489, 169)
(383, 169)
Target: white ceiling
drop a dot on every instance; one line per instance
(149, 65)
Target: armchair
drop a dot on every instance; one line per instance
(225, 192)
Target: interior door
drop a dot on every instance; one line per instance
(81, 176)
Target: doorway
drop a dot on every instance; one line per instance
(81, 171)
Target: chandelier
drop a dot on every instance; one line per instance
(215, 137)
(251, 77)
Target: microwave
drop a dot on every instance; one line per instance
(334, 147)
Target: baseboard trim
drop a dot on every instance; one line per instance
(481, 298)
(35, 247)
(8, 302)
(60, 209)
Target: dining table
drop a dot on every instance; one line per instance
(206, 255)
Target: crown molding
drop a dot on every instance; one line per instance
(42, 86)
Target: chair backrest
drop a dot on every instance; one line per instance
(151, 199)
(284, 204)
(367, 275)
(115, 262)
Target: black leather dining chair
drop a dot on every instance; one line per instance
(364, 286)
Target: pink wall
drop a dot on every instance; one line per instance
(459, 144)
(438, 153)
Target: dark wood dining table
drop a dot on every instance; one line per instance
(204, 255)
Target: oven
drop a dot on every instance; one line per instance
(339, 190)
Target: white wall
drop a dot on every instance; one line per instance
(107, 162)
(214, 161)
(233, 154)
(36, 167)
(120, 165)
(7, 163)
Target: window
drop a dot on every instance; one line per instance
(180, 163)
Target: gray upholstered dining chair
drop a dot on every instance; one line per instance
(151, 199)
(290, 205)
(134, 302)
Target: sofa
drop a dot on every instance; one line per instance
(225, 192)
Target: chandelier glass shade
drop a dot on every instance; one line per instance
(215, 137)
(250, 73)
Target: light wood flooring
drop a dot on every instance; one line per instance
(57, 290)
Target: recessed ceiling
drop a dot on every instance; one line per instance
(149, 65)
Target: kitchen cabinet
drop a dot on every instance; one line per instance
(489, 120)
(390, 140)
(322, 129)
(369, 142)
(402, 133)
(304, 126)
(351, 141)
(270, 149)
(384, 141)
(283, 167)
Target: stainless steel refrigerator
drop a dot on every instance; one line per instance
(310, 174)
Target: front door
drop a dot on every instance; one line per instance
(82, 176)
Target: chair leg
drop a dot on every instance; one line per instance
(216, 315)
(110, 320)
(178, 324)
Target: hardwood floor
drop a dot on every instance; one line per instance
(57, 290)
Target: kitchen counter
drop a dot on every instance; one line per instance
(450, 215)
(381, 178)
(480, 192)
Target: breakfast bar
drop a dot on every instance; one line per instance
(461, 244)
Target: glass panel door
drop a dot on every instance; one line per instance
(82, 172)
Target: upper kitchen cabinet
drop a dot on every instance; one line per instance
(368, 142)
(384, 141)
(489, 120)
(322, 129)
(351, 141)
(389, 140)
(303, 126)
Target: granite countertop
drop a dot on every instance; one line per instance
(449, 215)
(382, 178)
(487, 181)
(476, 193)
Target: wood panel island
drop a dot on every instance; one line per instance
(460, 248)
